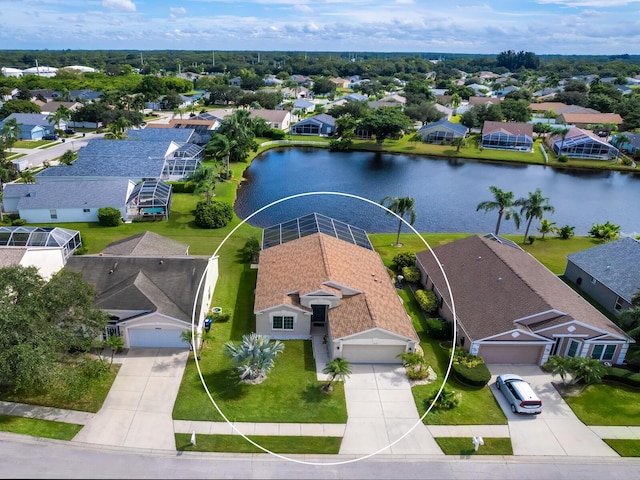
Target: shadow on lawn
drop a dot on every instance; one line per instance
(313, 393)
(227, 384)
(244, 320)
(309, 361)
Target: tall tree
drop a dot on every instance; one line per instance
(502, 201)
(386, 122)
(62, 113)
(238, 128)
(219, 147)
(401, 206)
(205, 180)
(534, 206)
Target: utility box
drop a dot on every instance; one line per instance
(21, 165)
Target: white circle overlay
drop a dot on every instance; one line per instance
(449, 366)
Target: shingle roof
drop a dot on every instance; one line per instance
(592, 118)
(512, 128)
(305, 265)
(143, 283)
(494, 284)
(614, 264)
(270, 115)
(147, 244)
(179, 135)
(73, 194)
(320, 118)
(444, 124)
(31, 119)
(11, 256)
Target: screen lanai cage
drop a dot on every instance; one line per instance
(44, 237)
(149, 199)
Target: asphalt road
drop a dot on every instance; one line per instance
(27, 457)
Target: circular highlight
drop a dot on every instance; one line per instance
(449, 366)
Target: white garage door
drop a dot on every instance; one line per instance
(513, 354)
(166, 337)
(372, 353)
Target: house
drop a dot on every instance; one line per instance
(235, 82)
(34, 126)
(302, 106)
(73, 201)
(507, 136)
(509, 308)
(579, 143)
(320, 276)
(542, 108)
(321, 124)
(442, 131)
(608, 273)
(150, 299)
(203, 129)
(446, 111)
(271, 80)
(280, 119)
(46, 248)
(631, 146)
(484, 101)
(340, 82)
(147, 244)
(586, 120)
(52, 107)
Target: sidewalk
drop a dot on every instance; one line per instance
(45, 413)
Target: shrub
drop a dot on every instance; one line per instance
(277, 134)
(403, 259)
(447, 400)
(477, 376)
(250, 251)
(427, 300)
(622, 375)
(565, 232)
(439, 328)
(18, 222)
(563, 158)
(182, 187)
(215, 215)
(411, 274)
(220, 317)
(462, 357)
(109, 217)
(605, 231)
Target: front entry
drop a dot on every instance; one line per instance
(319, 315)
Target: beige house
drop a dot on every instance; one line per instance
(280, 119)
(509, 308)
(587, 120)
(320, 284)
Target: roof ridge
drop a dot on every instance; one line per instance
(324, 253)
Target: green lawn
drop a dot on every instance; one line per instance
(463, 446)
(38, 428)
(237, 444)
(607, 404)
(30, 143)
(625, 448)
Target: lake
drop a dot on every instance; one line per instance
(446, 191)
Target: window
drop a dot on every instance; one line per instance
(280, 322)
(53, 214)
(619, 303)
(573, 348)
(86, 210)
(603, 352)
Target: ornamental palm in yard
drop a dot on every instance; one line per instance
(254, 356)
(401, 206)
(502, 201)
(534, 206)
(339, 369)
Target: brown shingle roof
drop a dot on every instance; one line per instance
(270, 115)
(494, 284)
(546, 106)
(512, 128)
(484, 100)
(307, 264)
(592, 118)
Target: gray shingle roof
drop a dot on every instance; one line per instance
(614, 264)
(74, 194)
(30, 118)
(182, 135)
(320, 118)
(444, 124)
(146, 244)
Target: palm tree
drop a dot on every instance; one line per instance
(401, 206)
(562, 131)
(337, 369)
(459, 142)
(27, 176)
(630, 320)
(559, 365)
(502, 201)
(115, 344)
(534, 206)
(205, 180)
(186, 337)
(254, 355)
(220, 147)
(546, 227)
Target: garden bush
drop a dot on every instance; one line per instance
(447, 400)
(439, 328)
(250, 251)
(411, 274)
(109, 217)
(401, 260)
(182, 187)
(427, 300)
(621, 375)
(477, 376)
(215, 215)
(220, 317)
(18, 222)
(276, 134)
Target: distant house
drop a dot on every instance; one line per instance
(586, 120)
(321, 124)
(509, 308)
(507, 136)
(235, 82)
(52, 107)
(632, 146)
(302, 106)
(579, 143)
(280, 119)
(441, 132)
(340, 82)
(484, 101)
(203, 129)
(447, 112)
(608, 273)
(34, 126)
(271, 80)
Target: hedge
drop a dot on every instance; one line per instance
(622, 375)
(411, 274)
(477, 376)
(403, 259)
(439, 328)
(427, 300)
(182, 187)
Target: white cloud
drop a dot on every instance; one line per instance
(590, 3)
(303, 8)
(178, 10)
(124, 5)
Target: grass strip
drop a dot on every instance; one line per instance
(464, 446)
(276, 444)
(624, 447)
(36, 427)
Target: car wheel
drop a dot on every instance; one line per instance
(513, 408)
(498, 385)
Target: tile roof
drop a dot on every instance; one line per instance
(494, 284)
(147, 244)
(309, 263)
(614, 264)
(546, 106)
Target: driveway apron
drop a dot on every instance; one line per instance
(381, 410)
(557, 430)
(137, 410)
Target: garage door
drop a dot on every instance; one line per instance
(514, 354)
(166, 337)
(372, 353)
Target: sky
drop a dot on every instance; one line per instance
(448, 26)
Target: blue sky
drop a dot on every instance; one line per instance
(460, 26)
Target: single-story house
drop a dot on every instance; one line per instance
(147, 244)
(484, 101)
(579, 143)
(447, 112)
(203, 129)
(51, 107)
(442, 131)
(507, 136)
(340, 82)
(544, 107)
(632, 146)
(585, 120)
(280, 119)
(509, 308)
(608, 273)
(320, 276)
(302, 106)
(150, 299)
(322, 124)
(72, 201)
(33, 126)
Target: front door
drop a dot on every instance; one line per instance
(572, 350)
(319, 315)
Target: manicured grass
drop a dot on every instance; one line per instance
(463, 446)
(237, 444)
(56, 396)
(607, 404)
(30, 143)
(625, 448)
(38, 428)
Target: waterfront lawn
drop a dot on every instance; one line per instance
(275, 444)
(607, 404)
(36, 427)
(463, 446)
(625, 448)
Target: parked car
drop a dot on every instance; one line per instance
(51, 136)
(69, 131)
(519, 394)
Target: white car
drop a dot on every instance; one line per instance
(519, 394)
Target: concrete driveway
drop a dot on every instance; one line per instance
(556, 431)
(137, 410)
(381, 410)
